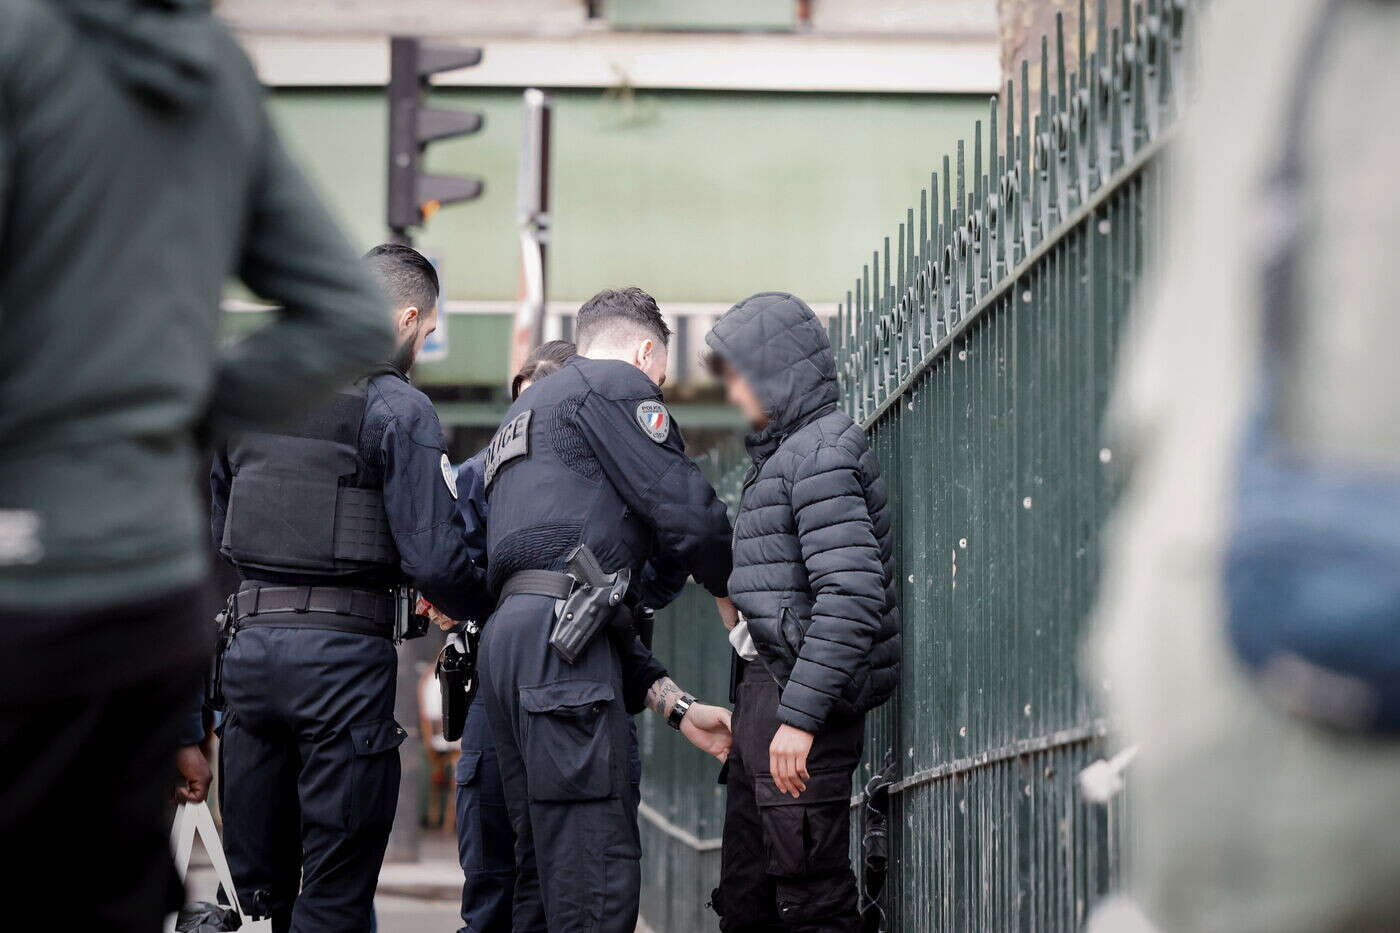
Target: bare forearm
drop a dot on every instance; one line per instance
(662, 696)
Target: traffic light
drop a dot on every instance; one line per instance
(414, 196)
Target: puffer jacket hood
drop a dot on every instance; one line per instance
(777, 343)
(163, 50)
(813, 549)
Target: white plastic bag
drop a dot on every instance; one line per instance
(193, 819)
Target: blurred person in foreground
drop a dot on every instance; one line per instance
(1250, 818)
(138, 172)
(819, 633)
(327, 521)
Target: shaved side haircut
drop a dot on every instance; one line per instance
(618, 316)
(405, 276)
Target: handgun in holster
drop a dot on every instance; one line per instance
(214, 683)
(590, 606)
(456, 676)
(408, 623)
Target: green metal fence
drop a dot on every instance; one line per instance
(978, 347)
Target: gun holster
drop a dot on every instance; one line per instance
(408, 623)
(590, 605)
(456, 676)
(214, 683)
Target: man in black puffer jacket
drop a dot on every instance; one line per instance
(813, 579)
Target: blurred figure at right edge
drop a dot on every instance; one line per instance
(138, 172)
(1249, 818)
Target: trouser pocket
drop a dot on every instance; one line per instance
(374, 773)
(568, 755)
(810, 834)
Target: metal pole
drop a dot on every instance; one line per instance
(533, 218)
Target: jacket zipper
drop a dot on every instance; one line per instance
(749, 479)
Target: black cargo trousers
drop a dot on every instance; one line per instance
(309, 770)
(785, 862)
(564, 744)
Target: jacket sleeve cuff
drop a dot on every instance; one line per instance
(191, 726)
(798, 719)
(640, 669)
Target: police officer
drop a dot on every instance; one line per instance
(324, 522)
(485, 839)
(588, 456)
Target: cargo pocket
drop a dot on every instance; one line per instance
(374, 773)
(469, 830)
(810, 834)
(468, 767)
(567, 752)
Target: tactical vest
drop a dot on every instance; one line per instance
(295, 505)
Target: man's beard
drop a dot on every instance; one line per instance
(405, 356)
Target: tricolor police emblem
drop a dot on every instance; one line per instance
(655, 420)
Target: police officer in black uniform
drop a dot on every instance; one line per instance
(326, 523)
(588, 456)
(485, 838)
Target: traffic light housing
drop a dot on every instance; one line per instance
(413, 195)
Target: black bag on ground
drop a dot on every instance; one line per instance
(204, 917)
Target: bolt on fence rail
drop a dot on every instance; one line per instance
(977, 348)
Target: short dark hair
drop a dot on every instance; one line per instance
(544, 360)
(405, 276)
(620, 308)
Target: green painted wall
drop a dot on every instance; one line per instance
(693, 196)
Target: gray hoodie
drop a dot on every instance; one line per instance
(138, 172)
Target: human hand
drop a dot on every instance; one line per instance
(195, 774)
(787, 759)
(435, 615)
(727, 613)
(707, 728)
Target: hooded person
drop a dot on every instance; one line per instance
(818, 635)
(139, 172)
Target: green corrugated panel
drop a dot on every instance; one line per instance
(768, 15)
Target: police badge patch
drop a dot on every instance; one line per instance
(655, 420)
(511, 441)
(449, 476)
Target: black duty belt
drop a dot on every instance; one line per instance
(359, 612)
(538, 583)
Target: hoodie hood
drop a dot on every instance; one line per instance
(780, 346)
(163, 50)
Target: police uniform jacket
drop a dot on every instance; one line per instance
(590, 455)
(402, 453)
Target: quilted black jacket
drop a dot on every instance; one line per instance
(813, 562)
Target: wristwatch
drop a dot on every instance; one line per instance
(679, 710)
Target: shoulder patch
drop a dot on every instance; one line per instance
(512, 440)
(449, 475)
(655, 420)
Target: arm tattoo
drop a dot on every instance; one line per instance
(662, 695)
